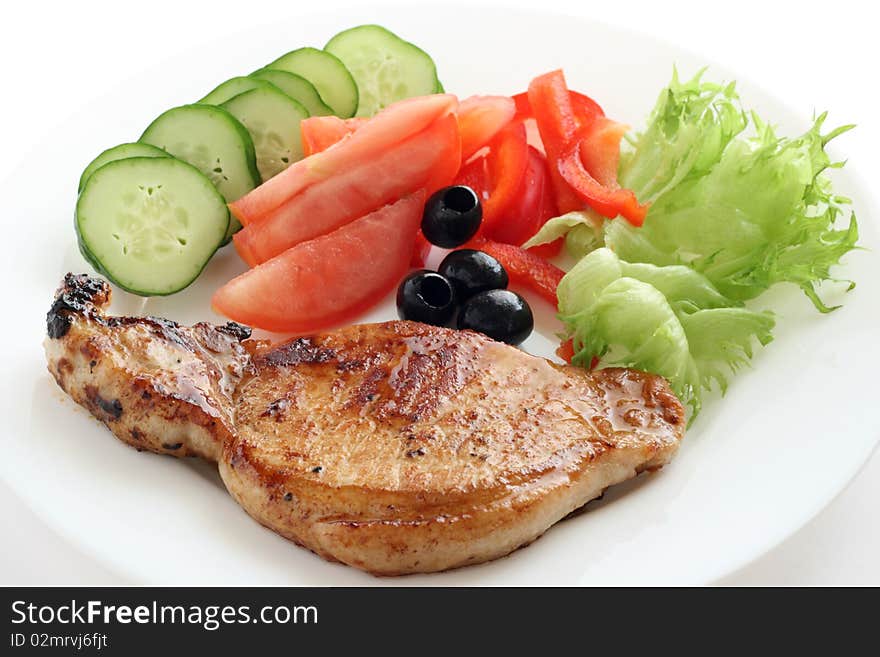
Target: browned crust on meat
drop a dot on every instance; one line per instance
(489, 446)
(395, 448)
(156, 385)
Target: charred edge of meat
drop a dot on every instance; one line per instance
(77, 294)
(237, 331)
(81, 294)
(112, 408)
(299, 351)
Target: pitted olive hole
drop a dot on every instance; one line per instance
(435, 292)
(460, 199)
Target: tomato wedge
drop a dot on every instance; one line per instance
(429, 160)
(421, 249)
(320, 132)
(480, 118)
(474, 174)
(524, 269)
(535, 204)
(329, 279)
(533, 201)
(393, 125)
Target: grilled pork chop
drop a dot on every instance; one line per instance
(395, 448)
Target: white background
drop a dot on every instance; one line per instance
(814, 55)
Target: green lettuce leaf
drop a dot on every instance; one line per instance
(689, 128)
(583, 231)
(729, 197)
(668, 320)
(757, 212)
(583, 239)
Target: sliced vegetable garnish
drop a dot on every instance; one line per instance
(354, 186)
(360, 262)
(582, 148)
(535, 203)
(272, 119)
(746, 211)
(387, 129)
(120, 152)
(319, 133)
(230, 88)
(667, 320)
(526, 270)
(385, 67)
(214, 142)
(326, 73)
(150, 224)
(481, 118)
(297, 87)
(609, 200)
(506, 166)
(549, 101)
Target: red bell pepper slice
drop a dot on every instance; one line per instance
(533, 202)
(585, 110)
(583, 106)
(524, 269)
(581, 148)
(566, 352)
(608, 200)
(505, 168)
(551, 103)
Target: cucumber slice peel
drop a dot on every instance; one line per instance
(212, 140)
(272, 119)
(297, 87)
(329, 76)
(229, 89)
(150, 225)
(385, 67)
(120, 152)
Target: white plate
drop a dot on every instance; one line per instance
(758, 464)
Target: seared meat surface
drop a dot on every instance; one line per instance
(395, 448)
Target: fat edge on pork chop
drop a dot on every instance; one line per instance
(394, 448)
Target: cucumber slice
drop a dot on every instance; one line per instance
(329, 76)
(439, 89)
(214, 142)
(297, 87)
(385, 67)
(226, 90)
(150, 224)
(272, 118)
(135, 149)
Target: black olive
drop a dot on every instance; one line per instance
(472, 271)
(501, 314)
(426, 296)
(452, 216)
